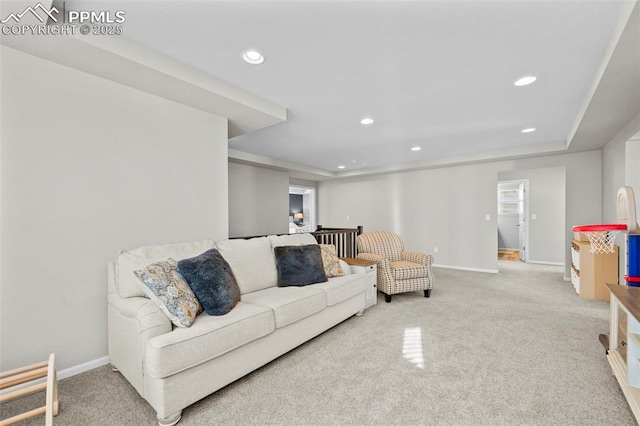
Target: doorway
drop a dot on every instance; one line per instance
(513, 229)
(302, 209)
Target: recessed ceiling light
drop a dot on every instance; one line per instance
(341, 166)
(528, 130)
(525, 80)
(252, 57)
(367, 120)
(416, 148)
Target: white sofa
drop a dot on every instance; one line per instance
(174, 367)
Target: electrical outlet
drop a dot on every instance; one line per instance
(435, 249)
(534, 216)
(347, 217)
(487, 217)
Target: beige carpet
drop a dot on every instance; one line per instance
(514, 348)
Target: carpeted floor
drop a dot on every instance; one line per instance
(514, 348)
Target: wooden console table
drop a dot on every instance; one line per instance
(624, 342)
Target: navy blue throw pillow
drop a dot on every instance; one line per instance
(212, 281)
(299, 265)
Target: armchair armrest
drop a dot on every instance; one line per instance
(382, 261)
(384, 279)
(415, 257)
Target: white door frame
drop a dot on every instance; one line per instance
(523, 222)
(523, 240)
(308, 203)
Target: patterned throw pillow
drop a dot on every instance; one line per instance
(164, 285)
(330, 262)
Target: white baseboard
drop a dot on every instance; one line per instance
(464, 268)
(77, 369)
(541, 262)
(566, 279)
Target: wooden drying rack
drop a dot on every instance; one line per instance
(32, 373)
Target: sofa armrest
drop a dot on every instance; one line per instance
(148, 316)
(132, 323)
(419, 258)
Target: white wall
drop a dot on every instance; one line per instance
(446, 207)
(90, 167)
(620, 167)
(303, 182)
(258, 201)
(613, 177)
(632, 179)
(442, 208)
(632, 169)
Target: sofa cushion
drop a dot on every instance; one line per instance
(167, 288)
(251, 261)
(404, 270)
(212, 281)
(299, 265)
(289, 304)
(208, 338)
(301, 239)
(330, 261)
(339, 289)
(128, 285)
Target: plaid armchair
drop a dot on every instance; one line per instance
(399, 271)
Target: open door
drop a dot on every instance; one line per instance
(522, 223)
(304, 210)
